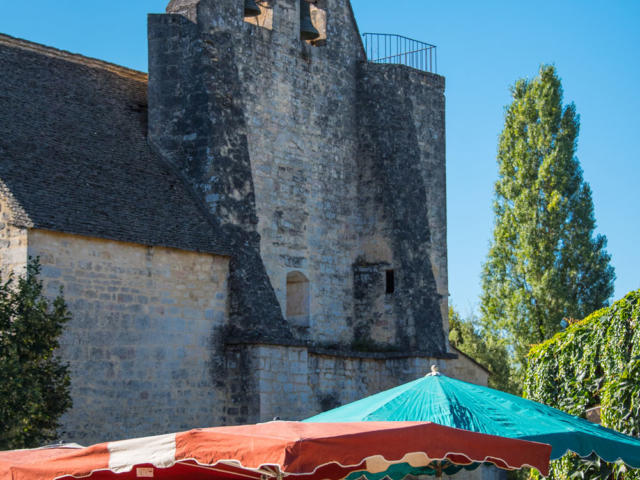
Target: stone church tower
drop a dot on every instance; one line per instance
(257, 229)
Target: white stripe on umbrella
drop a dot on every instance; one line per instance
(160, 451)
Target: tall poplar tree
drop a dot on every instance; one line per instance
(545, 264)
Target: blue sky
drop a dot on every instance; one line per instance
(483, 47)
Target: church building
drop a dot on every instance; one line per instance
(255, 228)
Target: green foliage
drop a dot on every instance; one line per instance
(544, 263)
(593, 362)
(34, 384)
(572, 467)
(486, 349)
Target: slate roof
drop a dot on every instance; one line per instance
(74, 156)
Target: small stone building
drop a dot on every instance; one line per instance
(255, 229)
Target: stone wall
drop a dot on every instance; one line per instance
(466, 369)
(300, 106)
(320, 162)
(288, 110)
(13, 243)
(296, 382)
(403, 199)
(197, 123)
(313, 166)
(141, 340)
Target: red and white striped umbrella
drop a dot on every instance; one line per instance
(291, 450)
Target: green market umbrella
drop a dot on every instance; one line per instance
(454, 403)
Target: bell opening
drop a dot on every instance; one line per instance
(251, 9)
(264, 19)
(307, 30)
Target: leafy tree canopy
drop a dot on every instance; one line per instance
(544, 264)
(593, 362)
(34, 383)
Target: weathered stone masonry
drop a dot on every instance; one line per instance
(257, 229)
(143, 271)
(313, 150)
(140, 338)
(13, 242)
(324, 166)
(197, 124)
(402, 188)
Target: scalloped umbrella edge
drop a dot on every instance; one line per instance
(278, 450)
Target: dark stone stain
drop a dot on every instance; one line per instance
(390, 145)
(206, 139)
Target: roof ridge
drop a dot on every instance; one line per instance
(73, 57)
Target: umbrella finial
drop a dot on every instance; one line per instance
(434, 371)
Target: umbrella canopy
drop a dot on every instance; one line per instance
(292, 450)
(447, 401)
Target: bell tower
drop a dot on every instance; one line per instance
(326, 171)
(261, 121)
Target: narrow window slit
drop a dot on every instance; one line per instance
(390, 282)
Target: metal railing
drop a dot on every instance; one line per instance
(396, 49)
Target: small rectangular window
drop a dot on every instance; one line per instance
(390, 282)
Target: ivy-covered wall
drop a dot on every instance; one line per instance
(595, 361)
